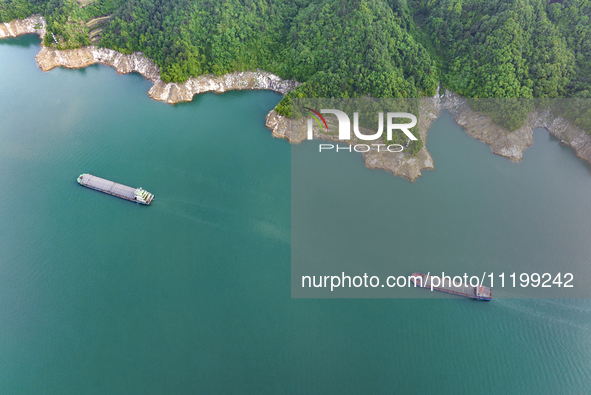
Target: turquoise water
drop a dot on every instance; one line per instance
(475, 213)
(192, 294)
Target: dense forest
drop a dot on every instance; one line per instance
(348, 48)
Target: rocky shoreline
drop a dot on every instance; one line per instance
(32, 25)
(509, 144)
(170, 92)
(398, 163)
(502, 142)
(49, 58)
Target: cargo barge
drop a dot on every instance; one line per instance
(137, 195)
(479, 292)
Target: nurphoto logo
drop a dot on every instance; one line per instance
(344, 128)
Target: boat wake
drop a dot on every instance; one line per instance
(576, 314)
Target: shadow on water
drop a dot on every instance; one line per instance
(26, 41)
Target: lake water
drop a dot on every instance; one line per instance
(192, 294)
(476, 213)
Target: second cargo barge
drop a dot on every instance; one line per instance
(137, 195)
(447, 285)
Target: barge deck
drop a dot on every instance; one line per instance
(136, 195)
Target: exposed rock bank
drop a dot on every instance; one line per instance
(402, 164)
(171, 92)
(49, 58)
(32, 25)
(568, 134)
(397, 163)
(179, 92)
(511, 144)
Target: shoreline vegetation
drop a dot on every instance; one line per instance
(504, 142)
(170, 92)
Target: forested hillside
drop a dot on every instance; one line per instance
(508, 48)
(347, 48)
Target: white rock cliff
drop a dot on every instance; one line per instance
(509, 144)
